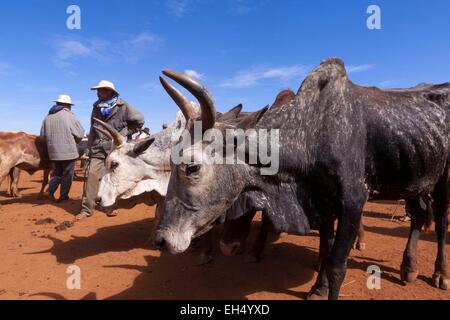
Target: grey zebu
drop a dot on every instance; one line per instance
(144, 167)
(339, 143)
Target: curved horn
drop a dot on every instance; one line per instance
(183, 103)
(200, 92)
(115, 135)
(104, 132)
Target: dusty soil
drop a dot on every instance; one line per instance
(115, 263)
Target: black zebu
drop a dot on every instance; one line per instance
(339, 143)
(240, 216)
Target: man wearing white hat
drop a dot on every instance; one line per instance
(111, 109)
(62, 131)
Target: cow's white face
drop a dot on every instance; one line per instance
(130, 174)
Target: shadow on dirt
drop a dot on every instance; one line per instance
(109, 239)
(403, 232)
(165, 276)
(177, 277)
(285, 266)
(72, 206)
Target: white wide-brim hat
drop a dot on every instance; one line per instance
(105, 85)
(65, 99)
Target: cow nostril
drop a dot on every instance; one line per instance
(98, 200)
(159, 242)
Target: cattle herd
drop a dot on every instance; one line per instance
(340, 145)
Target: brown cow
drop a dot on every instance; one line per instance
(23, 151)
(13, 181)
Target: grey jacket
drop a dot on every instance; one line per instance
(62, 131)
(124, 118)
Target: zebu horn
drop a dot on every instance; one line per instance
(104, 132)
(183, 103)
(117, 138)
(201, 93)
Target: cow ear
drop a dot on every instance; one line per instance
(143, 145)
(232, 114)
(252, 119)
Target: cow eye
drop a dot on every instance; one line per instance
(114, 165)
(192, 169)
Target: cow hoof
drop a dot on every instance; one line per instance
(360, 246)
(408, 276)
(440, 281)
(317, 294)
(204, 259)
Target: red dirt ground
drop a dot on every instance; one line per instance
(115, 264)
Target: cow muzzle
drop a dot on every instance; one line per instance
(175, 243)
(159, 242)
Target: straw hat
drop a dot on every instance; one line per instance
(64, 99)
(105, 85)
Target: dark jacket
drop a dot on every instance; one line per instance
(124, 118)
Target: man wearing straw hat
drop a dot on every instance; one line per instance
(62, 131)
(111, 109)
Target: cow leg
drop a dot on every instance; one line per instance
(430, 218)
(205, 246)
(440, 196)
(408, 269)
(3, 175)
(320, 289)
(159, 208)
(256, 253)
(360, 243)
(14, 176)
(349, 219)
(44, 183)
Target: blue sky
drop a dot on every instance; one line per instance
(244, 51)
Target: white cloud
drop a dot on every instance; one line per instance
(143, 39)
(71, 48)
(131, 49)
(4, 68)
(245, 6)
(252, 78)
(359, 68)
(178, 7)
(68, 50)
(194, 74)
(138, 46)
(150, 86)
